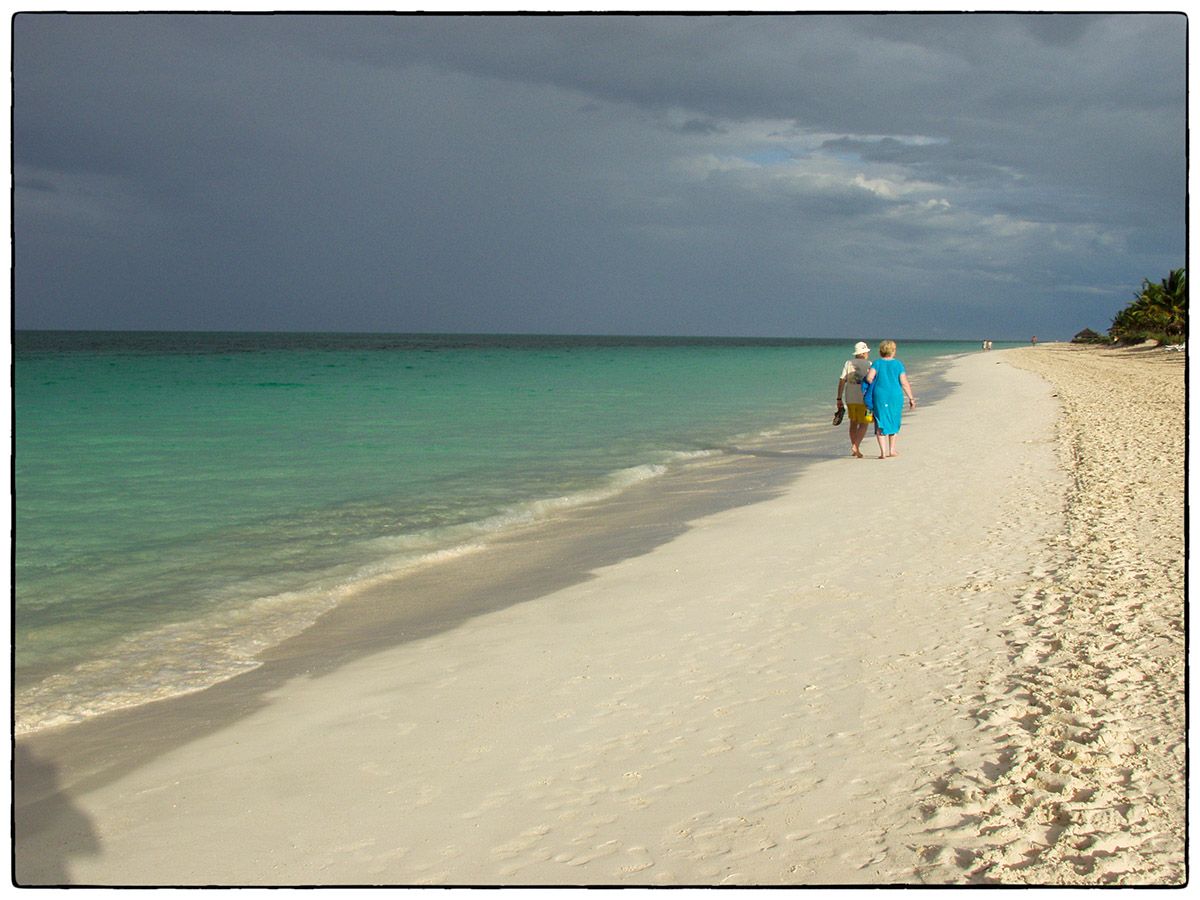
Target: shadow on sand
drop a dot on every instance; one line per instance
(48, 829)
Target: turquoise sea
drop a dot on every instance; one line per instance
(184, 500)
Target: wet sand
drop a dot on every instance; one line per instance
(788, 667)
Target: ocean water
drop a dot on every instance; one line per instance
(184, 500)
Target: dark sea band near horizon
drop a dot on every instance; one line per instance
(186, 501)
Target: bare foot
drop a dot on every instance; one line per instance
(883, 457)
(894, 453)
(856, 454)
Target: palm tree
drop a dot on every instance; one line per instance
(1158, 308)
(1172, 301)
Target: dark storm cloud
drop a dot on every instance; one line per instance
(707, 174)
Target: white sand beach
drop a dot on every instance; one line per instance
(963, 665)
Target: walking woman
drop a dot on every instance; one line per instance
(890, 388)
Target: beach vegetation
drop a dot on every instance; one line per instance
(1087, 336)
(1158, 312)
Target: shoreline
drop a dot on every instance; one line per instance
(469, 538)
(244, 653)
(734, 672)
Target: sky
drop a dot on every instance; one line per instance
(948, 176)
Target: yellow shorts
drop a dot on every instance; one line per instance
(858, 413)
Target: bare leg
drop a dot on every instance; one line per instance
(892, 441)
(883, 445)
(858, 431)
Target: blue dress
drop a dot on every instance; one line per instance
(889, 395)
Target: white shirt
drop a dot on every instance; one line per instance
(855, 371)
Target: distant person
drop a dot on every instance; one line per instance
(850, 384)
(983, 345)
(889, 385)
(1033, 340)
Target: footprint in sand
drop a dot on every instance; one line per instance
(537, 855)
(527, 838)
(637, 859)
(608, 848)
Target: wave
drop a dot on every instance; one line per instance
(180, 658)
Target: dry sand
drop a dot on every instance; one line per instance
(1088, 701)
(961, 665)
